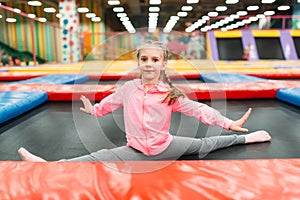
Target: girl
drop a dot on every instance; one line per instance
(148, 103)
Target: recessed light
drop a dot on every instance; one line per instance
(34, 3)
(113, 2)
(42, 19)
(50, 10)
(82, 10)
(11, 20)
(31, 15)
(90, 15)
(118, 9)
(96, 19)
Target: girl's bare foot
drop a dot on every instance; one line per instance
(27, 156)
(257, 136)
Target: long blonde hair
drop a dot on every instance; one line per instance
(175, 93)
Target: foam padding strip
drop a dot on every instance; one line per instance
(126, 76)
(15, 103)
(289, 95)
(17, 76)
(147, 180)
(64, 92)
(3, 70)
(242, 90)
(227, 78)
(57, 79)
(196, 91)
(286, 74)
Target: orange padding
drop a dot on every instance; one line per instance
(196, 91)
(235, 179)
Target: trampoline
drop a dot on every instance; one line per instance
(50, 131)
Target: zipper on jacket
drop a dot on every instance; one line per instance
(143, 124)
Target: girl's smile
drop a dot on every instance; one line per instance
(151, 62)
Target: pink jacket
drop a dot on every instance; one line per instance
(147, 120)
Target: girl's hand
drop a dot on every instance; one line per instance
(87, 105)
(238, 124)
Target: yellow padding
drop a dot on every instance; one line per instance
(295, 33)
(228, 34)
(265, 33)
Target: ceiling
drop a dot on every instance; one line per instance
(138, 10)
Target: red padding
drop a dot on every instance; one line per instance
(64, 92)
(126, 76)
(17, 76)
(275, 75)
(236, 179)
(199, 91)
(243, 90)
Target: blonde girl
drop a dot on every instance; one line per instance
(148, 103)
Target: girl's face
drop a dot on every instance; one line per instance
(151, 62)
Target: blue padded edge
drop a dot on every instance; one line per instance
(56, 79)
(289, 95)
(228, 78)
(15, 103)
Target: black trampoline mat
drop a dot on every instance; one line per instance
(51, 131)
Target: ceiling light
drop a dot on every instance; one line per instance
(221, 8)
(118, 9)
(283, 7)
(192, 1)
(113, 2)
(17, 10)
(90, 15)
(269, 12)
(213, 14)
(182, 14)
(82, 9)
(155, 2)
(260, 16)
(234, 16)
(58, 15)
(253, 19)
(42, 19)
(31, 15)
(154, 9)
(34, 3)
(252, 8)
(9, 19)
(122, 15)
(246, 21)
(174, 18)
(268, 1)
(242, 13)
(153, 14)
(186, 8)
(50, 10)
(231, 1)
(0, 15)
(96, 19)
(205, 18)
(124, 19)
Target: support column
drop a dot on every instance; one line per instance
(249, 41)
(70, 40)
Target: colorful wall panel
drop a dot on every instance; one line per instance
(45, 39)
(283, 43)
